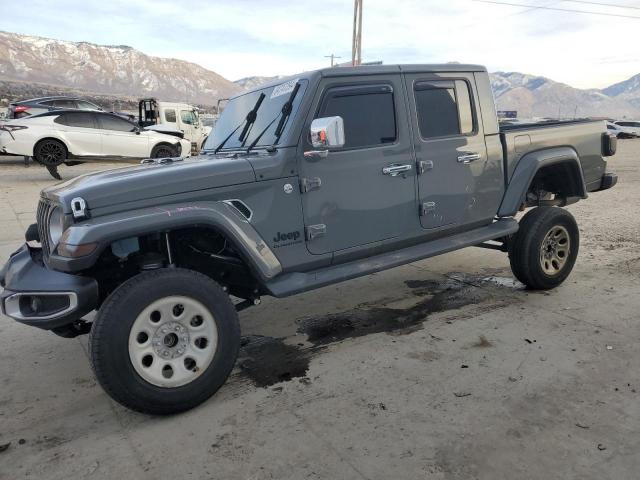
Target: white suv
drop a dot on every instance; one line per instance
(53, 138)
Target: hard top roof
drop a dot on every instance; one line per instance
(364, 70)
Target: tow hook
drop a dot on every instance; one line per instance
(72, 330)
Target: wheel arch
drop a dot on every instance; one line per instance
(215, 216)
(557, 168)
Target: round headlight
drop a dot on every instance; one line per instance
(56, 226)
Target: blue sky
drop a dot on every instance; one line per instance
(250, 37)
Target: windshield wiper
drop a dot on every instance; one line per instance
(247, 122)
(283, 115)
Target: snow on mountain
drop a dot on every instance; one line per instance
(249, 83)
(628, 90)
(108, 69)
(535, 96)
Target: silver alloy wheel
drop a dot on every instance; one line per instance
(555, 250)
(173, 341)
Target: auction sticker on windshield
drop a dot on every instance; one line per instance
(283, 88)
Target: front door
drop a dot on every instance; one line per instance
(364, 192)
(191, 127)
(450, 147)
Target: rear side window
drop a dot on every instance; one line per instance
(87, 105)
(170, 115)
(110, 122)
(443, 108)
(79, 119)
(368, 112)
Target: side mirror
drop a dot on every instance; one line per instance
(137, 130)
(327, 132)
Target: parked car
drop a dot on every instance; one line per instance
(616, 130)
(154, 114)
(304, 183)
(69, 136)
(36, 106)
(630, 128)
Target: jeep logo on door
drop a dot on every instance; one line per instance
(286, 239)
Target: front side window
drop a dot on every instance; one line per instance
(79, 119)
(170, 115)
(187, 117)
(368, 113)
(111, 122)
(65, 104)
(443, 108)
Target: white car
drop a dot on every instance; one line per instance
(68, 136)
(629, 128)
(617, 130)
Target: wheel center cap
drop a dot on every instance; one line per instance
(170, 340)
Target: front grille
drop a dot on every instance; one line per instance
(45, 208)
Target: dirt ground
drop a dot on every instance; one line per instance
(443, 369)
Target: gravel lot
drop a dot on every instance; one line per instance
(442, 369)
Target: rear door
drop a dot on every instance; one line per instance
(348, 200)
(450, 148)
(120, 139)
(80, 132)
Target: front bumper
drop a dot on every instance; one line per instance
(43, 298)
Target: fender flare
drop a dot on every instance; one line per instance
(526, 170)
(133, 223)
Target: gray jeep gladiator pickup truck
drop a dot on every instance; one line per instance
(306, 182)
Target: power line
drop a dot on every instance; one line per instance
(603, 4)
(557, 9)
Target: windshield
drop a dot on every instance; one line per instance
(236, 111)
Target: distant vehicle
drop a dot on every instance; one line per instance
(629, 127)
(36, 106)
(69, 136)
(180, 116)
(617, 130)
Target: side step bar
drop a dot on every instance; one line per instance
(287, 284)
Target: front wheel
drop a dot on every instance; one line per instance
(163, 151)
(544, 250)
(164, 341)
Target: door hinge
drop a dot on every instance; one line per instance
(309, 184)
(427, 208)
(424, 165)
(315, 231)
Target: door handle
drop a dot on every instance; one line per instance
(468, 157)
(395, 169)
(316, 154)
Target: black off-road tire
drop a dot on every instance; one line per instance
(50, 152)
(110, 335)
(164, 151)
(525, 248)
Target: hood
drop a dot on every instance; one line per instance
(143, 182)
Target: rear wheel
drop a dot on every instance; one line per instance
(165, 341)
(544, 250)
(163, 151)
(50, 152)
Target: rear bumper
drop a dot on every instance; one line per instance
(43, 298)
(608, 180)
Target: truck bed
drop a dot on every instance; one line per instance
(584, 136)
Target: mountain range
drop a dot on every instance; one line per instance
(36, 64)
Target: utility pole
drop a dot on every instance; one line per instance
(356, 45)
(332, 57)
